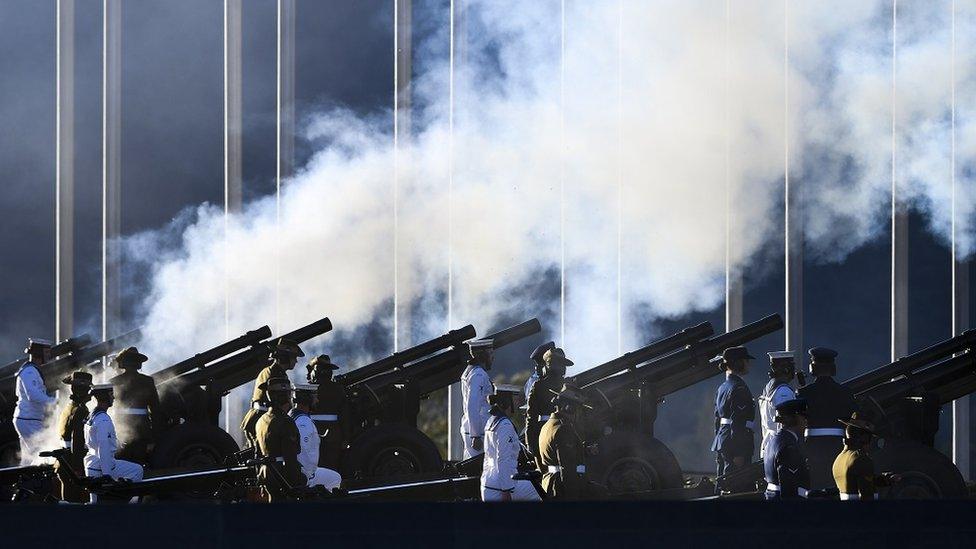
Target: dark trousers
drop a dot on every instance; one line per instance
(821, 453)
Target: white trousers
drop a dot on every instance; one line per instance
(524, 491)
(325, 477)
(469, 451)
(123, 470)
(29, 431)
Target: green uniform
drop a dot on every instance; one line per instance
(854, 475)
(561, 452)
(328, 416)
(71, 429)
(259, 400)
(277, 437)
(138, 412)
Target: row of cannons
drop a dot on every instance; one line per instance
(387, 457)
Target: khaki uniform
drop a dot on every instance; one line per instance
(329, 415)
(562, 454)
(276, 436)
(854, 475)
(137, 407)
(259, 401)
(71, 429)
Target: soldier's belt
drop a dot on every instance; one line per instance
(852, 497)
(324, 417)
(134, 411)
(280, 460)
(558, 468)
(260, 407)
(729, 421)
(543, 418)
(802, 492)
(825, 432)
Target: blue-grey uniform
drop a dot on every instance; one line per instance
(785, 462)
(828, 402)
(735, 415)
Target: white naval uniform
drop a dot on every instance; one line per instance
(502, 448)
(774, 395)
(101, 442)
(31, 411)
(475, 388)
(308, 456)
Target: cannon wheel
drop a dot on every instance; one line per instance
(926, 473)
(632, 462)
(192, 445)
(391, 451)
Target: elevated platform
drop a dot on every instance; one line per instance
(609, 524)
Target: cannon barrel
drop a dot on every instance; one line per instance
(445, 368)
(912, 362)
(199, 360)
(406, 356)
(65, 347)
(632, 359)
(686, 367)
(234, 371)
(947, 379)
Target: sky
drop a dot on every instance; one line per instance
(511, 110)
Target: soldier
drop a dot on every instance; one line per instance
(328, 411)
(284, 355)
(540, 397)
(33, 401)
(537, 363)
(502, 448)
(562, 450)
(785, 462)
(308, 456)
(853, 469)
(101, 442)
(71, 429)
(276, 437)
(735, 413)
(475, 388)
(828, 402)
(782, 370)
(138, 408)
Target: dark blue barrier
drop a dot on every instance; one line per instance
(398, 525)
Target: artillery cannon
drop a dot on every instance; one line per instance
(904, 400)
(629, 458)
(382, 411)
(70, 354)
(191, 392)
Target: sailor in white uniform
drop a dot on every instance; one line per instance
(308, 439)
(102, 442)
(33, 402)
(502, 448)
(475, 388)
(782, 371)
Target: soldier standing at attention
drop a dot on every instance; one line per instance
(138, 408)
(853, 469)
(277, 438)
(735, 413)
(782, 370)
(785, 462)
(71, 429)
(284, 355)
(308, 456)
(537, 364)
(540, 397)
(101, 442)
(327, 413)
(475, 388)
(562, 449)
(502, 449)
(32, 399)
(828, 402)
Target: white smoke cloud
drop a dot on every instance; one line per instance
(637, 143)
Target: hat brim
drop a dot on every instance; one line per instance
(858, 424)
